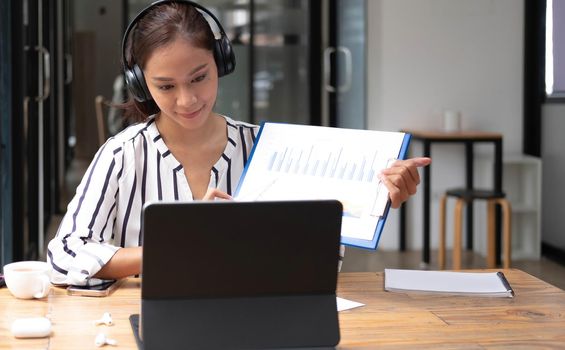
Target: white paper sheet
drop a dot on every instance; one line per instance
(344, 304)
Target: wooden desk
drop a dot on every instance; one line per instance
(534, 318)
(468, 138)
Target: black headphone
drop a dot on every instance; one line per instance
(223, 53)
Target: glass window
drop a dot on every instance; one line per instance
(555, 48)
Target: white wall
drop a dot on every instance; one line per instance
(553, 191)
(425, 56)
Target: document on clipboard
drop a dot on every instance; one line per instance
(294, 162)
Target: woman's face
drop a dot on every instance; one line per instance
(183, 81)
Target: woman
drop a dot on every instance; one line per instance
(178, 150)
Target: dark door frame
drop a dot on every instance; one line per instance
(6, 244)
(534, 75)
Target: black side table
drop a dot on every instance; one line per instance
(468, 138)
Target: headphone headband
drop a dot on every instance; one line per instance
(223, 52)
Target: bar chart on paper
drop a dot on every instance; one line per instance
(319, 171)
(324, 162)
(292, 162)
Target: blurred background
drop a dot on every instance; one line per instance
(375, 64)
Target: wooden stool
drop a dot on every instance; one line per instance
(465, 196)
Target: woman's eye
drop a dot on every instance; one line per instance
(165, 87)
(199, 78)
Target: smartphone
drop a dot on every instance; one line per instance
(100, 290)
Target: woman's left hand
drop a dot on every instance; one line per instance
(214, 193)
(402, 178)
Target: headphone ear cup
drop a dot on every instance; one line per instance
(224, 56)
(136, 84)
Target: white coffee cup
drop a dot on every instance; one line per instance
(451, 121)
(28, 279)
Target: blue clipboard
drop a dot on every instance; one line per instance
(345, 240)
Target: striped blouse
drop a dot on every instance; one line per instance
(130, 169)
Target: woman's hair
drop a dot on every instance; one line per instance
(159, 27)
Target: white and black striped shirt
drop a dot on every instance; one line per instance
(130, 169)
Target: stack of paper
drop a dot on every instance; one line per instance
(492, 284)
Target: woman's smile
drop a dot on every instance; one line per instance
(190, 115)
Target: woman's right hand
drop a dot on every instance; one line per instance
(213, 193)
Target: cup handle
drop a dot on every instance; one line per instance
(45, 287)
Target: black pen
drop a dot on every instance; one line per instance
(505, 282)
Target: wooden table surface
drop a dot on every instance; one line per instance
(534, 318)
